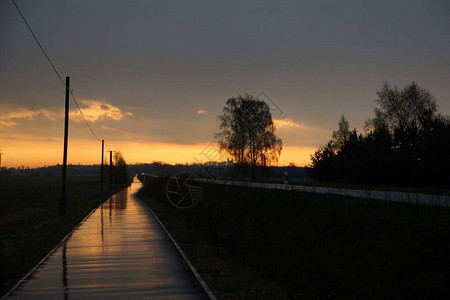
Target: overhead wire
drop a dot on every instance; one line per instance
(55, 70)
(37, 41)
(85, 121)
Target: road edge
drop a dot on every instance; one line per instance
(180, 251)
(44, 259)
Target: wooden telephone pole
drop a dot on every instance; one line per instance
(1, 153)
(103, 151)
(63, 200)
(110, 168)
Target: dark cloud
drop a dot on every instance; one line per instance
(168, 60)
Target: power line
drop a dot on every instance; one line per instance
(56, 71)
(40, 46)
(85, 121)
(107, 147)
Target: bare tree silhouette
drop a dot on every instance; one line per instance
(247, 133)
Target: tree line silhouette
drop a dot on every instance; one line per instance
(406, 143)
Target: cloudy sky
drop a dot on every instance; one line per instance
(152, 76)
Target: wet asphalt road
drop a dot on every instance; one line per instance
(120, 251)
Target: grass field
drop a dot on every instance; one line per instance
(29, 222)
(255, 243)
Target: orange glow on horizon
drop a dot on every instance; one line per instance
(37, 153)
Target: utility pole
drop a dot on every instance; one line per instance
(103, 151)
(63, 200)
(1, 153)
(1, 159)
(110, 168)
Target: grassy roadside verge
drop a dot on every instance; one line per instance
(254, 243)
(29, 223)
(225, 276)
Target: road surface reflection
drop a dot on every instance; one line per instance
(119, 251)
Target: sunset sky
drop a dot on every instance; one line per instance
(152, 76)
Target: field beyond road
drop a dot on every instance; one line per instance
(29, 220)
(256, 243)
